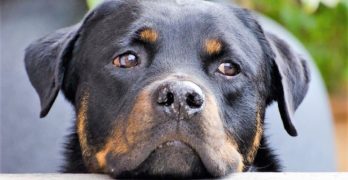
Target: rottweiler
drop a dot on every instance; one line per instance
(174, 88)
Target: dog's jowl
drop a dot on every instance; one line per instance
(168, 88)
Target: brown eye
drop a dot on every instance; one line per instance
(127, 60)
(229, 69)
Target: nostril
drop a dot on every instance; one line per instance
(166, 99)
(194, 100)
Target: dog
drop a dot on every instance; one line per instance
(168, 88)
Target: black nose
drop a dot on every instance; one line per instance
(182, 99)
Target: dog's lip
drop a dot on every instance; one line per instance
(209, 154)
(147, 151)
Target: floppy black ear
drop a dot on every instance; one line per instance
(290, 80)
(290, 74)
(44, 62)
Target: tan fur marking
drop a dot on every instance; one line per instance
(119, 145)
(148, 35)
(101, 155)
(238, 158)
(213, 46)
(257, 138)
(211, 112)
(82, 124)
(139, 119)
(121, 141)
(228, 149)
(116, 144)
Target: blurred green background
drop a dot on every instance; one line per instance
(321, 25)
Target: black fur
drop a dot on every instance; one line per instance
(265, 160)
(73, 156)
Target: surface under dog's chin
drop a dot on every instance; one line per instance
(173, 159)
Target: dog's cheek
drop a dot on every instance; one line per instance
(140, 119)
(245, 128)
(126, 131)
(118, 147)
(82, 125)
(225, 146)
(257, 136)
(92, 160)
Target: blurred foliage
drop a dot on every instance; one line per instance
(93, 3)
(322, 28)
(321, 25)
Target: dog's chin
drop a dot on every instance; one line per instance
(173, 159)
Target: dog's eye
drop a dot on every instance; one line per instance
(229, 69)
(127, 60)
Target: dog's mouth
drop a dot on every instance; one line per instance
(175, 152)
(174, 159)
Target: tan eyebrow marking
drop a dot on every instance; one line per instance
(213, 46)
(148, 35)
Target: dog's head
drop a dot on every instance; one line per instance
(168, 87)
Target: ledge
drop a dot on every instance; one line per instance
(239, 176)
